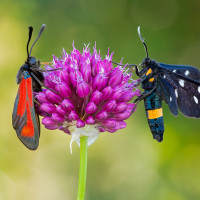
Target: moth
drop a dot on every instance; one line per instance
(177, 85)
(25, 120)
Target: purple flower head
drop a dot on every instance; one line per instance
(91, 96)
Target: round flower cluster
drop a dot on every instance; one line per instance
(90, 95)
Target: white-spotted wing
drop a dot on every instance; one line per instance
(179, 87)
(184, 70)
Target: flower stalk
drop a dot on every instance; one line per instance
(83, 168)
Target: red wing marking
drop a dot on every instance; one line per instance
(26, 104)
(25, 86)
(28, 130)
(29, 90)
(22, 98)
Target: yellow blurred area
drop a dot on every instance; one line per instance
(128, 164)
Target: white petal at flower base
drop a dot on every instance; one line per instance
(89, 130)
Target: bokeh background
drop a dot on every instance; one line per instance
(128, 164)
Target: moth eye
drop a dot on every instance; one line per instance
(187, 72)
(174, 70)
(181, 82)
(196, 100)
(164, 76)
(32, 61)
(176, 93)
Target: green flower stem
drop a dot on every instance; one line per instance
(83, 168)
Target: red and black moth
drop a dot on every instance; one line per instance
(25, 120)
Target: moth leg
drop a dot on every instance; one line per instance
(36, 102)
(140, 98)
(137, 71)
(122, 64)
(42, 70)
(142, 80)
(144, 95)
(42, 84)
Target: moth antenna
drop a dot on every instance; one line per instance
(141, 38)
(41, 30)
(29, 38)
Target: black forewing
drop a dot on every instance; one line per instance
(28, 116)
(166, 92)
(184, 70)
(179, 83)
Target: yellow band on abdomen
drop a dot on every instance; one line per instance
(153, 114)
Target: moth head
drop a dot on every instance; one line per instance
(146, 62)
(33, 62)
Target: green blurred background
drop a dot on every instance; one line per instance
(128, 164)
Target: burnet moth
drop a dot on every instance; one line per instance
(25, 120)
(176, 85)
